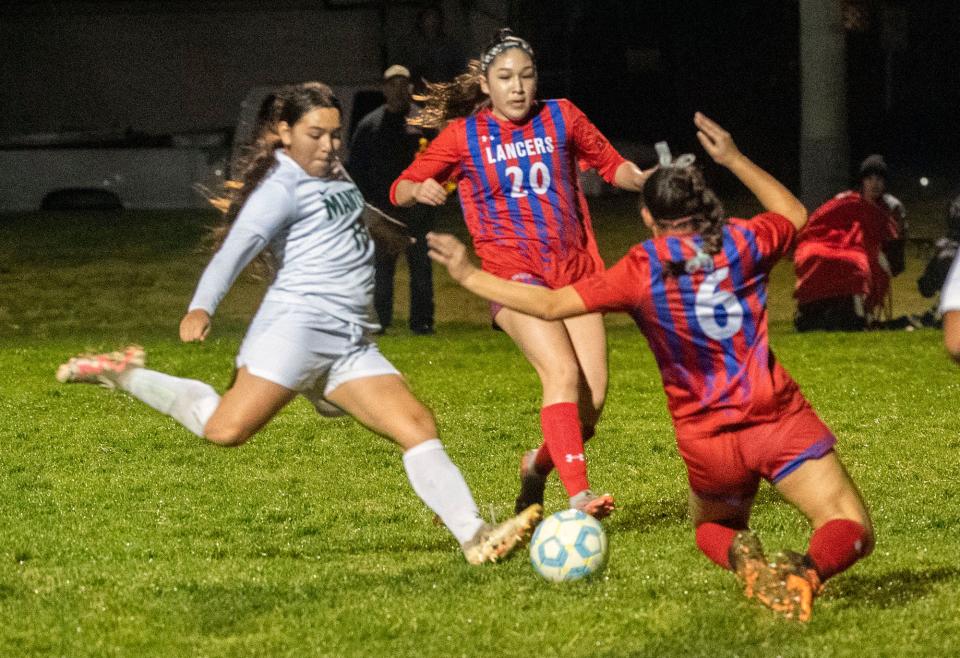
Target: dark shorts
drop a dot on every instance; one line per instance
(555, 273)
(727, 467)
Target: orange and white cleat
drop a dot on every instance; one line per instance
(101, 369)
(598, 506)
(799, 585)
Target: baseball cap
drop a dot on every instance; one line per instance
(396, 70)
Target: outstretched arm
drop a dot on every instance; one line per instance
(533, 300)
(771, 193)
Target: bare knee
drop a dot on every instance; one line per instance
(228, 435)
(560, 378)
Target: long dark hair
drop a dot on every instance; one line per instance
(287, 104)
(462, 96)
(679, 198)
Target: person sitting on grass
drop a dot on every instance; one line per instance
(847, 254)
(310, 335)
(697, 291)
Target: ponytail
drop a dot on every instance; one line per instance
(678, 198)
(444, 101)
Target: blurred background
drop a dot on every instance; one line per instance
(156, 88)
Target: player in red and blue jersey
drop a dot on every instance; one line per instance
(516, 162)
(697, 291)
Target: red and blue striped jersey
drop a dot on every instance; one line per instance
(518, 182)
(707, 329)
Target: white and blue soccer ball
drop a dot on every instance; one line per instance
(568, 545)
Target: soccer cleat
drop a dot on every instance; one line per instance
(532, 483)
(493, 542)
(801, 584)
(787, 586)
(747, 560)
(599, 507)
(101, 369)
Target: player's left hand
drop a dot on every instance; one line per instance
(448, 251)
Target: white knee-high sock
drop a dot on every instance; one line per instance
(441, 486)
(187, 401)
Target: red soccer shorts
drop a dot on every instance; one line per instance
(727, 467)
(550, 270)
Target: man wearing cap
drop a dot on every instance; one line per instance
(846, 255)
(383, 145)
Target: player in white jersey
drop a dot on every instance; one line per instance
(310, 334)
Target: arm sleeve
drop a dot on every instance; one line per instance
(774, 235)
(262, 216)
(591, 148)
(441, 160)
(616, 289)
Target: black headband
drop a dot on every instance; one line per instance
(508, 42)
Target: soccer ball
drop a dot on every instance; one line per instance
(568, 545)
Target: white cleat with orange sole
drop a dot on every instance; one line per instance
(101, 369)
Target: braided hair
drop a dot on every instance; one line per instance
(463, 96)
(287, 104)
(678, 198)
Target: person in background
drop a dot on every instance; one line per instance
(847, 254)
(383, 145)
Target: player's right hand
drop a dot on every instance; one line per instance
(430, 193)
(195, 326)
(716, 141)
(447, 250)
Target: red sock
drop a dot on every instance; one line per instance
(561, 434)
(542, 460)
(836, 545)
(715, 540)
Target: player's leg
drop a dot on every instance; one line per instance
(951, 334)
(842, 531)
(249, 404)
(548, 348)
(717, 524)
(589, 339)
(384, 404)
(188, 401)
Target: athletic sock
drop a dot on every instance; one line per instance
(561, 434)
(187, 401)
(542, 459)
(441, 486)
(835, 546)
(715, 540)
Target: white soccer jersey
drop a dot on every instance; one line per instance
(314, 229)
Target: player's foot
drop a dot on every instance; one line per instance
(102, 369)
(532, 483)
(798, 585)
(493, 542)
(748, 560)
(599, 507)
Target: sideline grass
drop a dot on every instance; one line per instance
(123, 534)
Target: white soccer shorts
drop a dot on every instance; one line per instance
(310, 352)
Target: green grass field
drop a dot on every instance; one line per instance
(124, 535)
